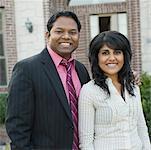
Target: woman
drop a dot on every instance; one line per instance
(110, 111)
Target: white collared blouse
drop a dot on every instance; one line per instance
(110, 123)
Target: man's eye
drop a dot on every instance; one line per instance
(73, 32)
(58, 31)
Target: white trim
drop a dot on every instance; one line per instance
(94, 25)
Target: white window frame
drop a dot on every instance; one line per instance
(117, 23)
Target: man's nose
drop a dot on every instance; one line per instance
(66, 35)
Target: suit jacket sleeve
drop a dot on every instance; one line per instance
(82, 73)
(20, 108)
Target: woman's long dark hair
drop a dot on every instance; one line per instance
(116, 41)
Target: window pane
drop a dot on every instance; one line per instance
(1, 45)
(0, 22)
(2, 72)
(104, 23)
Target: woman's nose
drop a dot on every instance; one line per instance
(112, 57)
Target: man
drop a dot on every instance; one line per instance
(39, 114)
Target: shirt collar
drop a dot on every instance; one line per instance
(57, 58)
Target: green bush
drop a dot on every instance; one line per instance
(2, 107)
(145, 90)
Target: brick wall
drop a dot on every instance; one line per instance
(10, 48)
(51, 6)
(133, 10)
(9, 37)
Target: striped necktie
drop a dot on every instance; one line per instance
(73, 104)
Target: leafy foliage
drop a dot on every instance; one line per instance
(2, 107)
(145, 90)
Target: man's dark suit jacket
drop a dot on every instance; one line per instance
(38, 114)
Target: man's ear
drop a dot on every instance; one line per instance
(47, 34)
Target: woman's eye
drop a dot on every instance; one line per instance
(105, 53)
(118, 52)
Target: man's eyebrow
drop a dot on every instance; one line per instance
(74, 29)
(59, 28)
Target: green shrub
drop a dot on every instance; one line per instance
(2, 107)
(145, 89)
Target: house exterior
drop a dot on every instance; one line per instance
(145, 15)
(23, 24)
(8, 51)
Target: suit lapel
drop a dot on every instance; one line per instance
(54, 78)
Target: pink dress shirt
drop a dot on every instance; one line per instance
(63, 73)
